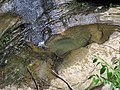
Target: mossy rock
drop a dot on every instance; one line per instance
(72, 38)
(79, 36)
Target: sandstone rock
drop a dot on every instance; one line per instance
(111, 16)
(77, 66)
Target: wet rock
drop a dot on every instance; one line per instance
(111, 16)
(58, 18)
(40, 60)
(58, 15)
(79, 36)
(70, 20)
(78, 66)
(70, 39)
(15, 71)
(7, 21)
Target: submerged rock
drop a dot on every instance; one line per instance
(79, 36)
(70, 39)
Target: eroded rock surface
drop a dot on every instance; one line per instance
(7, 21)
(111, 16)
(78, 66)
(79, 36)
(58, 15)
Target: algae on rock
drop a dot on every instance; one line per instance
(79, 36)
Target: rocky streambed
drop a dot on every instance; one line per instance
(68, 39)
(63, 53)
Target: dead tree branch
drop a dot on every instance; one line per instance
(31, 74)
(62, 79)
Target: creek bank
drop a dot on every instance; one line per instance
(39, 61)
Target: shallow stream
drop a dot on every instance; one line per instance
(37, 35)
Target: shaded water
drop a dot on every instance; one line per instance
(44, 18)
(79, 36)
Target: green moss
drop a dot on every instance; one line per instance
(79, 36)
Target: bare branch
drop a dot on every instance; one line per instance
(62, 79)
(31, 74)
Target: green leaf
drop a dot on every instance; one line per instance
(117, 75)
(95, 81)
(95, 60)
(111, 87)
(102, 69)
(105, 82)
(109, 74)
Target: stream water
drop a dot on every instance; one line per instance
(36, 12)
(46, 18)
(47, 15)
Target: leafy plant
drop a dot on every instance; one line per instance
(112, 73)
(4, 40)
